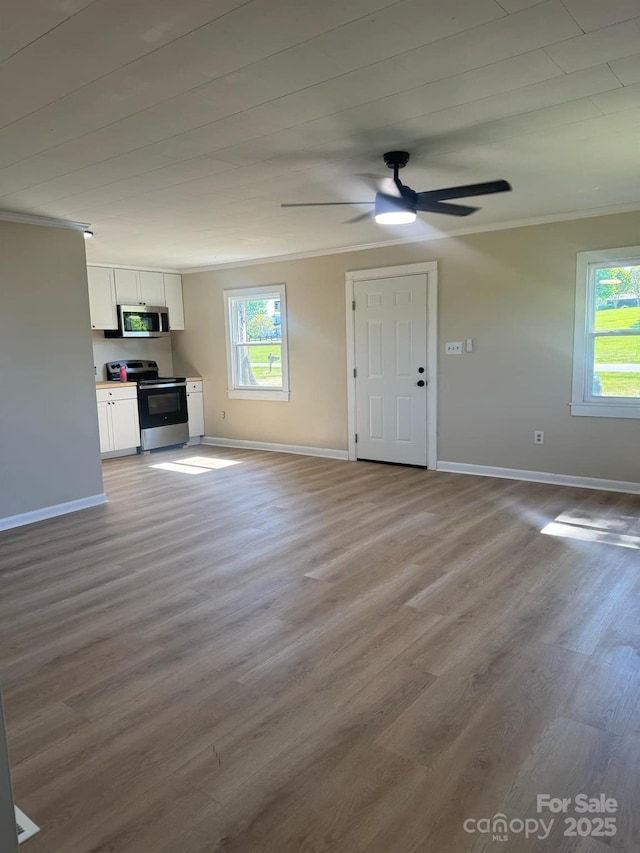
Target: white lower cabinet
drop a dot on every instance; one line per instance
(118, 419)
(104, 426)
(195, 409)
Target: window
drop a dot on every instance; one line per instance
(256, 327)
(606, 359)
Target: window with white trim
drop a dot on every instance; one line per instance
(256, 331)
(606, 357)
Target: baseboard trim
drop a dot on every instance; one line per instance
(117, 454)
(300, 450)
(540, 477)
(46, 512)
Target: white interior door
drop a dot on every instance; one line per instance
(390, 331)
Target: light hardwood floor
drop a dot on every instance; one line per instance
(298, 654)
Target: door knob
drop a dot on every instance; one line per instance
(420, 383)
(421, 370)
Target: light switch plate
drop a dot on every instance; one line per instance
(453, 348)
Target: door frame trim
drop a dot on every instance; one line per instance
(430, 269)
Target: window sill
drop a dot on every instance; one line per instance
(606, 410)
(263, 394)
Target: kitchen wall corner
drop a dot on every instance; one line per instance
(153, 349)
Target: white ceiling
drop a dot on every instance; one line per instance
(177, 129)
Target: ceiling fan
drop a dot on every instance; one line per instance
(401, 207)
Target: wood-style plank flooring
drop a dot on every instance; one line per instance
(299, 654)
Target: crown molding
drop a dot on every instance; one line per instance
(47, 221)
(403, 241)
(168, 270)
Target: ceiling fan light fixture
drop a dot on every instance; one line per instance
(392, 211)
(396, 217)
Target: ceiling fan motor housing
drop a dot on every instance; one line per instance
(396, 159)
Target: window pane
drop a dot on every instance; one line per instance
(257, 320)
(259, 366)
(617, 298)
(616, 369)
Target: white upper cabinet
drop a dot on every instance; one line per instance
(102, 298)
(173, 299)
(126, 287)
(109, 287)
(152, 288)
(139, 287)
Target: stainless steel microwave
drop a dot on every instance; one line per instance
(140, 321)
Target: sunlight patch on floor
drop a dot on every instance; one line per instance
(617, 523)
(590, 532)
(196, 465)
(211, 462)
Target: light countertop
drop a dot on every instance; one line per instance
(127, 384)
(115, 385)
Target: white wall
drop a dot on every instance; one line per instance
(49, 448)
(113, 349)
(511, 290)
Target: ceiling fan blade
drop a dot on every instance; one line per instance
(362, 216)
(486, 188)
(325, 203)
(379, 183)
(430, 206)
(373, 180)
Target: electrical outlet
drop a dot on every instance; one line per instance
(224, 415)
(538, 436)
(453, 348)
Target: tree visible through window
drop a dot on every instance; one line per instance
(607, 337)
(616, 332)
(256, 348)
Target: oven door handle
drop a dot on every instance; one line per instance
(163, 385)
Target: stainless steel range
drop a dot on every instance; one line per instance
(162, 403)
